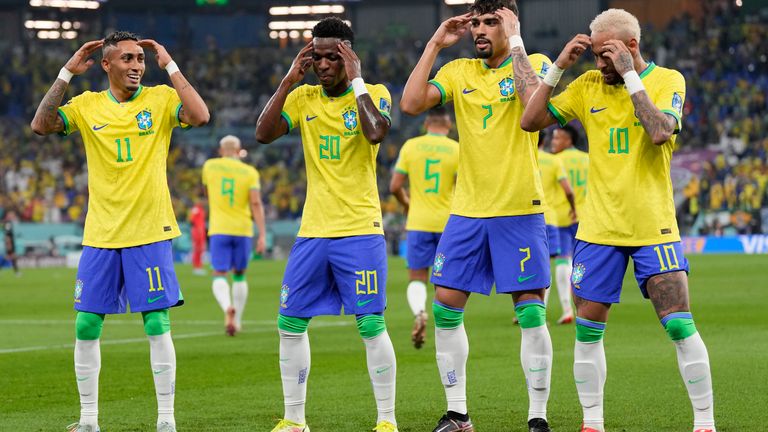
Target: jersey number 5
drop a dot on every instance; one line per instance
(432, 175)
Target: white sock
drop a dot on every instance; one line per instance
(239, 296)
(546, 293)
(536, 359)
(294, 370)
(693, 360)
(162, 356)
(87, 366)
(452, 348)
(417, 296)
(563, 279)
(382, 368)
(589, 372)
(221, 292)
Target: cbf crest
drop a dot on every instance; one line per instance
(437, 266)
(507, 87)
(284, 296)
(144, 120)
(350, 118)
(578, 275)
(78, 290)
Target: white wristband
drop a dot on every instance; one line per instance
(553, 75)
(65, 75)
(633, 82)
(516, 41)
(171, 68)
(358, 85)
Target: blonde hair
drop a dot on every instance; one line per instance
(618, 21)
(230, 142)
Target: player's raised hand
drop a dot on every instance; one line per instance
(573, 50)
(300, 65)
(81, 61)
(163, 58)
(619, 54)
(509, 22)
(351, 61)
(451, 30)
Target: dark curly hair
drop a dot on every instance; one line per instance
(482, 7)
(333, 27)
(112, 39)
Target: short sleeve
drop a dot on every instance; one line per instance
(402, 160)
(174, 107)
(567, 104)
(205, 174)
(255, 180)
(291, 110)
(559, 169)
(540, 64)
(383, 100)
(444, 81)
(671, 96)
(70, 114)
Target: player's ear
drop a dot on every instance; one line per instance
(105, 64)
(633, 46)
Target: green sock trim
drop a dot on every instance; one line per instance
(219, 277)
(156, 322)
(371, 326)
(238, 278)
(292, 324)
(446, 318)
(88, 325)
(680, 328)
(531, 315)
(561, 261)
(587, 334)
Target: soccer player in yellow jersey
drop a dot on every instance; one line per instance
(631, 112)
(557, 189)
(127, 255)
(234, 199)
(339, 259)
(496, 232)
(429, 162)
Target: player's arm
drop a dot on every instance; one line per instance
(193, 112)
(658, 125)
(271, 125)
(373, 123)
(47, 120)
(571, 197)
(536, 115)
(397, 188)
(526, 79)
(257, 210)
(418, 95)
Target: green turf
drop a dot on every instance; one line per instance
(233, 384)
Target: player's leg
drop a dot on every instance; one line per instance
(597, 277)
(462, 265)
(563, 267)
(162, 357)
(359, 266)
(553, 243)
(661, 273)
(520, 251)
(306, 292)
(198, 248)
(87, 366)
(221, 262)
(240, 257)
(421, 254)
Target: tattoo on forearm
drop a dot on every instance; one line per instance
(654, 121)
(525, 76)
(47, 110)
(625, 62)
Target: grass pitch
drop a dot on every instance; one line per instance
(233, 384)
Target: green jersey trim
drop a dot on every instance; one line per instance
(133, 96)
(651, 66)
(436, 134)
(64, 118)
(346, 92)
(178, 111)
(503, 64)
(674, 114)
(287, 119)
(441, 89)
(401, 171)
(560, 119)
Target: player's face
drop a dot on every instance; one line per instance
(487, 33)
(560, 141)
(604, 64)
(327, 62)
(124, 64)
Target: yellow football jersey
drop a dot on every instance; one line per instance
(498, 172)
(126, 146)
(551, 173)
(342, 195)
(630, 199)
(229, 183)
(430, 161)
(576, 164)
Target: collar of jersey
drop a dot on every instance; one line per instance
(651, 66)
(504, 63)
(134, 96)
(436, 134)
(346, 92)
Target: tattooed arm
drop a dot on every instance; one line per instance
(526, 80)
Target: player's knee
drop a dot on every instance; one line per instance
(238, 276)
(371, 325)
(292, 324)
(588, 331)
(156, 322)
(531, 313)
(679, 325)
(88, 325)
(447, 317)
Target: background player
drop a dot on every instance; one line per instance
(234, 197)
(10, 241)
(339, 258)
(496, 231)
(429, 162)
(127, 254)
(631, 111)
(556, 189)
(197, 219)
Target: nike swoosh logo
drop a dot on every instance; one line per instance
(96, 128)
(594, 111)
(381, 370)
(537, 370)
(311, 118)
(158, 372)
(363, 303)
(468, 91)
(580, 381)
(154, 299)
(697, 380)
(82, 378)
(284, 359)
(521, 279)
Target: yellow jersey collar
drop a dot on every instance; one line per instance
(346, 92)
(648, 69)
(503, 64)
(134, 96)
